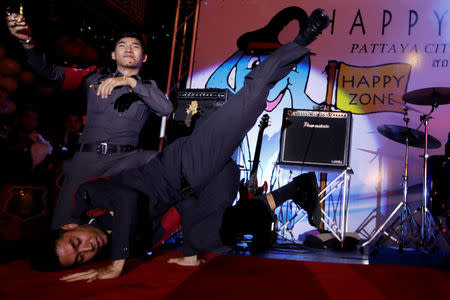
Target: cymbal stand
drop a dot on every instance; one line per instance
(426, 234)
(406, 215)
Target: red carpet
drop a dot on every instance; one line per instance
(232, 277)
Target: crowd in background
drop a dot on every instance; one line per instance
(34, 143)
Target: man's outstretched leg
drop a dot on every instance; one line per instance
(209, 147)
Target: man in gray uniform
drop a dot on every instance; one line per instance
(118, 105)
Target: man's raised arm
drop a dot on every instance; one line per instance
(66, 78)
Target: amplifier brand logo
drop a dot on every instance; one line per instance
(309, 125)
(202, 94)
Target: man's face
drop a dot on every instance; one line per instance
(79, 244)
(29, 120)
(129, 53)
(73, 123)
(6, 105)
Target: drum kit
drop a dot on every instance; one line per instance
(405, 228)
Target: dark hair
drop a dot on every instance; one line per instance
(127, 34)
(27, 107)
(76, 114)
(42, 255)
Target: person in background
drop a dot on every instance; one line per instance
(65, 138)
(26, 150)
(73, 126)
(7, 106)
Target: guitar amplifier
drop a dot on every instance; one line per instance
(193, 107)
(315, 138)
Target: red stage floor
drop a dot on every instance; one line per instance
(232, 277)
(287, 270)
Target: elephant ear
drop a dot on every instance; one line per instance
(265, 40)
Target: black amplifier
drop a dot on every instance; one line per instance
(193, 107)
(316, 138)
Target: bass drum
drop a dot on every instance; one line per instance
(439, 185)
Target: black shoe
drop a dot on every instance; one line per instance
(317, 22)
(307, 196)
(248, 217)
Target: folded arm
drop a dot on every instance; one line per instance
(144, 90)
(152, 96)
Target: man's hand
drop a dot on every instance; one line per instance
(112, 271)
(38, 153)
(190, 261)
(106, 87)
(39, 149)
(37, 137)
(20, 29)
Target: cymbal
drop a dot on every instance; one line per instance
(429, 96)
(415, 138)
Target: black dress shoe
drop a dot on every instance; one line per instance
(307, 196)
(317, 22)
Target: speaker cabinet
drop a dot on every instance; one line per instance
(315, 138)
(193, 107)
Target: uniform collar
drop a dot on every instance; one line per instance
(119, 74)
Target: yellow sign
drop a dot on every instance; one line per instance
(363, 90)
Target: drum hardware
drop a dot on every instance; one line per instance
(433, 96)
(404, 224)
(426, 237)
(439, 185)
(406, 107)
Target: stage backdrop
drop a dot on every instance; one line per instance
(379, 50)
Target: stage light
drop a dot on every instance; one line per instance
(414, 59)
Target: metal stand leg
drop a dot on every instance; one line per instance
(428, 237)
(338, 231)
(424, 237)
(405, 213)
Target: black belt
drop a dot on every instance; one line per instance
(104, 148)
